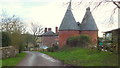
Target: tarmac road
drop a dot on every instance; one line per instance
(38, 59)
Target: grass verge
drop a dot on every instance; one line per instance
(85, 57)
(13, 61)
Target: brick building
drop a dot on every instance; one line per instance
(69, 27)
(49, 38)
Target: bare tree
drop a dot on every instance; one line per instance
(12, 24)
(100, 2)
(36, 30)
(117, 4)
(15, 29)
(97, 3)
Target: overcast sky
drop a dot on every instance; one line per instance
(49, 13)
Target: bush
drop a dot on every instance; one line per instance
(6, 40)
(53, 49)
(82, 41)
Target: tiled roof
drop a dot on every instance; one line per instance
(118, 29)
(88, 22)
(68, 22)
(49, 33)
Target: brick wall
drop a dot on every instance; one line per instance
(63, 35)
(92, 34)
(49, 40)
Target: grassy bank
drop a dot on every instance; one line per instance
(13, 61)
(85, 57)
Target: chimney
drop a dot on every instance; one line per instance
(56, 29)
(45, 30)
(49, 29)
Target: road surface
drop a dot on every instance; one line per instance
(39, 59)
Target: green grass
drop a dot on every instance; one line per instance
(13, 61)
(85, 57)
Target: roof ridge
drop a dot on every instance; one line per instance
(49, 33)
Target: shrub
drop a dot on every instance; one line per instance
(50, 49)
(81, 40)
(72, 41)
(53, 49)
(6, 40)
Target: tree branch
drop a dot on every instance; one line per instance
(117, 4)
